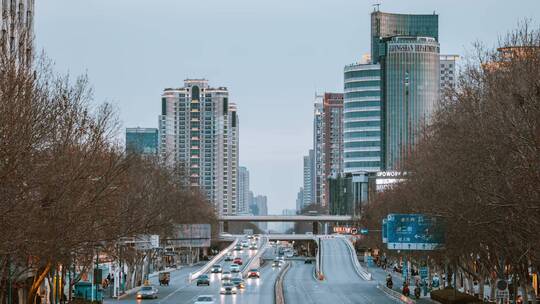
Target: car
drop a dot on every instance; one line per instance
(281, 259)
(228, 288)
(239, 283)
(238, 247)
(254, 273)
(245, 244)
(203, 280)
(147, 292)
(308, 261)
(289, 254)
(253, 247)
(235, 268)
(238, 260)
(228, 257)
(205, 299)
(216, 269)
(226, 275)
(276, 264)
(309, 233)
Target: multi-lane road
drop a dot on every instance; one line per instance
(341, 285)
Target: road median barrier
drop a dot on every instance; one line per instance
(192, 276)
(255, 261)
(279, 294)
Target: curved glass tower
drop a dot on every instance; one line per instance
(362, 118)
(411, 81)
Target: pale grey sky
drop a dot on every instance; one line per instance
(271, 54)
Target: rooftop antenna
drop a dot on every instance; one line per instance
(376, 7)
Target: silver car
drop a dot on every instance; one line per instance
(147, 292)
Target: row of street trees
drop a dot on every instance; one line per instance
(478, 167)
(67, 190)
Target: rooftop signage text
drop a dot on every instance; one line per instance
(413, 48)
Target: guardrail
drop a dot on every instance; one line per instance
(192, 276)
(255, 258)
(396, 295)
(319, 274)
(364, 274)
(279, 295)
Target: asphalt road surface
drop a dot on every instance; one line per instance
(180, 291)
(341, 285)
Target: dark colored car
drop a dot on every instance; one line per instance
(308, 261)
(203, 280)
(228, 258)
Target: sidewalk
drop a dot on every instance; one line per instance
(379, 275)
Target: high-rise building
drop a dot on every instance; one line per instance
(198, 131)
(385, 26)
(286, 226)
(243, 190)
(261, 201)
(300, 199)
(17, 28)
(407, 49)
(411, 93)
(332, 139)
(318, 158)
(142, 141)
(327, 142)
(309, 178)
(448, 71)
(348, 192)
(362, 118)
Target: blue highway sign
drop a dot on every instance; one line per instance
(413, 232)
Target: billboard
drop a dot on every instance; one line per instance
(190, 235)
(413, 232)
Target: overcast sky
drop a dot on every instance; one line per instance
(273, 55)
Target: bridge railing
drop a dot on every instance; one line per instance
(192, 276)
(256, 258)
(364, 274)
(319, 274)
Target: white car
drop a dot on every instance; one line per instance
(234, 268)
(205, 299)
(226, 275)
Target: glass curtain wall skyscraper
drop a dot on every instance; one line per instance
(411, 93)
(407, 49)
(198, 132)
(142, 141)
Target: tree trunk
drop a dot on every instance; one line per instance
(38, 279)
(482, 282)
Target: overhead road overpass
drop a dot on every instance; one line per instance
(280, 237)
(287, 218)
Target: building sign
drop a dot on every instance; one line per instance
(413, 232)
(412, 48)
(345, 230)
(190, 235)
